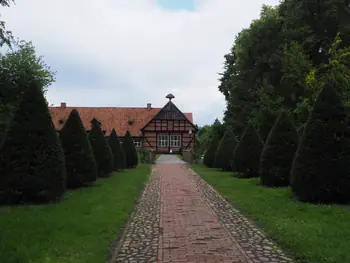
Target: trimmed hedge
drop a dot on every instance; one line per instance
(32, 165)
(247, 153)
(117, 150)
(278, 153)
(101, 149)
(209, 156)
(131, 157)
(80, 161)
(320, 171)
(224, 152)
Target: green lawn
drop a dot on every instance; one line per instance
(78, 230)
(310, 233)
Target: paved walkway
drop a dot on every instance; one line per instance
(169, 158)
(180, 218)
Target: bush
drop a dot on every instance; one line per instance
(80, 161)
(131, 157)
(278, 153)
(117, 150)
(320, 171)
(32, 165)
(224, 152)
(209, 156)
(102, 152)
(247, 153)
(147, 157)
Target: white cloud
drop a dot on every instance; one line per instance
(151, 51)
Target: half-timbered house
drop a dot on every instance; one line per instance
(163, 130)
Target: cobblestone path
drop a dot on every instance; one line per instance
(180, 218)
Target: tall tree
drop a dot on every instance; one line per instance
(5, 35)
(274, 56)
(32, 165)
(80, 161)
(18, 67)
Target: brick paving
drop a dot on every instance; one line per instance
(180, 218)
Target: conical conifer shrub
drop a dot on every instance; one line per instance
(101, 149)
(131, 157)
(278, 153)
(224, 152)
(321, 169)
(209, 156)
(117, 150)
(247, 153)
(80, 161)
(32, 165)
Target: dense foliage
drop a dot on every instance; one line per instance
(117, 150)
(278, 153)
(32, 165)
(320, 171)
(224, 152)
(275, 63)
(80, 161)
(101, 149)
(131, 157)
(247, 153)
(19, 67)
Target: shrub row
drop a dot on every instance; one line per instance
(316, 166)
(37, 164)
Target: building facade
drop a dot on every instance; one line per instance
(164, 130)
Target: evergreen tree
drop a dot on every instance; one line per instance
(209, 156)
(80, 161)
(247, 153)
(278, 153)
(224, 152)
(320, 171)
(101, 149)
(32, 165)
(117, 150)
(131, 157)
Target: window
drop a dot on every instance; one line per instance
(163, 140)
(138, 143)
(175, 140)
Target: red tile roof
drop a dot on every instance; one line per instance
(110, 117)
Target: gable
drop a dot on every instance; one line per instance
(171, 112)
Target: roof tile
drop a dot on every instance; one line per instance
(110, 117)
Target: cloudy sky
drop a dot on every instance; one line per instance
(131, 52)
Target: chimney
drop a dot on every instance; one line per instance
(63, 105)
(149, 106)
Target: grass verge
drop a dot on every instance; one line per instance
(310, 233)
(78, 230)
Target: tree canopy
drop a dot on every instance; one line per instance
(275, 63)
(19, 67)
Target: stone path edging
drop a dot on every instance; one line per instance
(139, 242)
